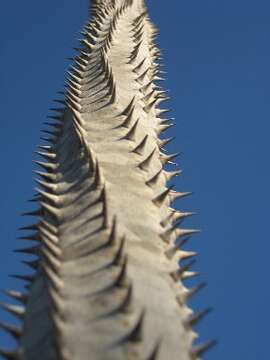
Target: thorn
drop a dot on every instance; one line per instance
(188, 294)
(136, 334)
(138, 67)
(190, 274)
(35, 199)
(142, 77)
(126, 304)
(56, 126)
(13, 330)
(175, 195)
(73, 85)
(51, 140)
(128, 109)
(86, 43)
(160, 111)
(131, 134)
(53, 211)
(75, 75)
(52, 247)
(127, 122)
(171, 251)
(134, 53)
(46, 185)
(58, 110)
(53, 278)
(119, 254)
(32, 237)
(193, 291)
(99, 180)
(167, 158)
(180, 216)
(147, 98)
(175, 216)
(165, 121)
(153, 180)
(146, 87)
(38, 212)
(47, 229)
(154, 353)
(179, 233)
(183, 255)
(145, 164)
(33, 227)
(59, 101)
(48, 196)
(73, 105)
(46, 176)
(139, 149)
(57, 304)
(112, 241)
(171, 174)
(159, 199)
(178, 274)
(121, 279)
(45, 147)
(105, 209)
(139, 19)
(33, 264)
(151, 105)
(46, 166)
(8, 354)
(201, 349)
(34, 250)
(163, 127)
(138, 34)
(50, 259)
(16, 310)
(164, 142)
(113, 93)
(27, 278)
(21, 297)
(194, 319)
(55, 117)
(70, 93)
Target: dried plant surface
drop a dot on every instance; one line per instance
(108, 243)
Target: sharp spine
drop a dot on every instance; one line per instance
(201, 349)
(17, 311)
(145, 164)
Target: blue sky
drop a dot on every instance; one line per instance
(217, 56)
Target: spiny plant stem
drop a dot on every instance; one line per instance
(107, 282)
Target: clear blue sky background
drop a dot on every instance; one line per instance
(217, 56)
